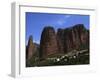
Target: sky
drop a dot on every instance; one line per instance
(35, 22)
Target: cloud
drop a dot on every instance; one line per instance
(60, 22)
(63, 20)
(67, 16)
(37, 41)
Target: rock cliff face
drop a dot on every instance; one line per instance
(75, 38)
(65, 40)
(60, 40)
(30, 48)
(48, 43)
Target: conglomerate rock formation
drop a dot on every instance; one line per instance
(31, 48)
(48, 43)
(65, 40)
(75, 38)
(60, 42)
